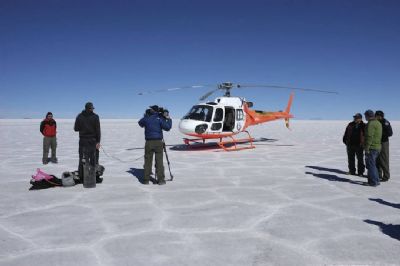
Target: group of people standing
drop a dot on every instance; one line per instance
(371, 139)
(87, 123)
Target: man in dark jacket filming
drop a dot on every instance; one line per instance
(155, 121)
(87, 123)
(354, 139)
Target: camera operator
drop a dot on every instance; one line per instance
(155, 120)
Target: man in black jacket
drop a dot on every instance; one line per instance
(383, 158)
(88, 125)
(354, 139)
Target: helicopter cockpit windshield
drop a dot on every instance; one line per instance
(200, 113)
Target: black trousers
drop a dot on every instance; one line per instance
(352, 152)
(154, 147)
(383, 162)
(87, 149)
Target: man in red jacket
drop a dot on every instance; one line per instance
(48, 128)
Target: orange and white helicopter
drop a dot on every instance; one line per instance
(228, 116)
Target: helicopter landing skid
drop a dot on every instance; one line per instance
(227, 145)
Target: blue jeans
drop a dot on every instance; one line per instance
(370, 160)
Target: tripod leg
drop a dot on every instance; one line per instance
(169, 166)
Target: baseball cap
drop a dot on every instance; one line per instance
(369, 113)
(154, 108)
(379, 113)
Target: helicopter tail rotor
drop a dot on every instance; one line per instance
(289, 105)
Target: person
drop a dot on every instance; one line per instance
(383, 158)
(154, 122)
(373, 137)
(353, 138)
(87, 123)
(48, 128)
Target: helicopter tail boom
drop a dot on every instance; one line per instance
(256, 117)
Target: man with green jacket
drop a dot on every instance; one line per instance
(373, 137)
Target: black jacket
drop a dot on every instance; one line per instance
(386, 130)
(88, 125)
(354, 134)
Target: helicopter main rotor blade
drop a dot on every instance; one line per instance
(174, 89)
(205, 96)
(283, 87)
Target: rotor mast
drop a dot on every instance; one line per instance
(227, 86)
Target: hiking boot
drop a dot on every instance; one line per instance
(162, 182)
(54, 160)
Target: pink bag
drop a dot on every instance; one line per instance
(41, 175)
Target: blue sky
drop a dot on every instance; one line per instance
(56, 55)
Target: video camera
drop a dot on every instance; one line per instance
(156, 109)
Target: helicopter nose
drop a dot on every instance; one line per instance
(186, 126)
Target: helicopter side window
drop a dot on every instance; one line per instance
(200, 113)
(219, 114)
(239, 115)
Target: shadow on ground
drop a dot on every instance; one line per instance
(139, 174)
(332, 170)
(390, 204)
(142, 148)
(331, 177)
(391, 230)
(196, 146)
(336, 178)
(388, 229)
(200, 146)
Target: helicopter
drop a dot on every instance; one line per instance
(228, 116)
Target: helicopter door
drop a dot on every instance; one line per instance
(240, 117)
(229, 121)
(217, 121)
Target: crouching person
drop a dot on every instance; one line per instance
(155, 121)
(48, 128)
(87, 123)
